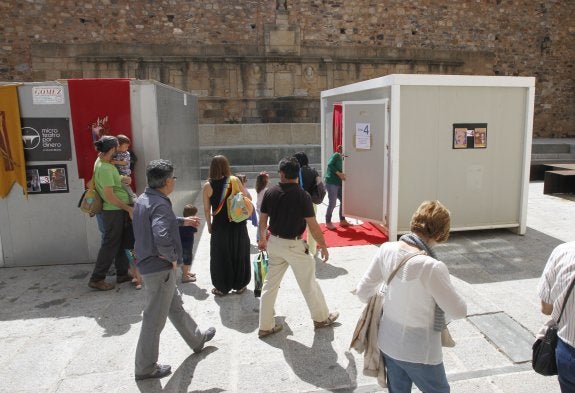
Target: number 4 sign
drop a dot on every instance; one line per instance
(363, 136)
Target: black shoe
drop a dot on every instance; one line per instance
(123, 278)
(208, 335)
(160, 371)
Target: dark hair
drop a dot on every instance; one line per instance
(106, 143)
(262, 181)
(301, 157)
(431, 220)
(157, 172)
(219, 167)
(123, 139)
(290, 168)
(190, 210)
(243, 178)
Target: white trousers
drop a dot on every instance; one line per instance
(283, 253)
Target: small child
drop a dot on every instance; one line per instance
(133, 271)
(261, 187)
(122, 161)
(187, 237)
(262, 181)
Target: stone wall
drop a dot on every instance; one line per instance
(267, 62)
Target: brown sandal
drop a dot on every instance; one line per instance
(275, 329)
(217, 292)
(188, 278)
(329, 321)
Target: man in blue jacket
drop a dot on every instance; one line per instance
(159, 252)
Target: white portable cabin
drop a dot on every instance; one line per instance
(463, 140)
(48, 228)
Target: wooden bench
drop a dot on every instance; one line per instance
(537, 170)
(559, 182)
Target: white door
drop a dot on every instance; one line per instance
(366, 160)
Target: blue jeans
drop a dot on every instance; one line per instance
(333, 194)
(565, 357)
(402, 375)
(100, 221)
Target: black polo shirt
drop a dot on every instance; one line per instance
(287, 206)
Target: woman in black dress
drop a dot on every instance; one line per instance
(230, 243)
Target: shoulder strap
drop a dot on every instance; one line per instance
(566, 298)
(223, 198)
(92, 183)
(403, 261)
(300, 179)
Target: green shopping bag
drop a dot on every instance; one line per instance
(260, 270)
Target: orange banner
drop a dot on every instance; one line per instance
(12, 163)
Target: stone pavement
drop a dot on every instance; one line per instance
(57, 335)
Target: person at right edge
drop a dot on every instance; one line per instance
(418, 300)
(289, 208)
(333, 178)
(553, 286)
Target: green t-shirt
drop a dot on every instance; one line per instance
(106, 175)
(335, 164)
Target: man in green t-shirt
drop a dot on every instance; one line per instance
(333, 178)
(116, 217)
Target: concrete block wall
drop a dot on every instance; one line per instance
(252, 148)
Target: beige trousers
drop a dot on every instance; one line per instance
(310, 240)
(283, 253)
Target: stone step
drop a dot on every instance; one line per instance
(252, 171)
(550, 148)
(552, 157)
(258, 154)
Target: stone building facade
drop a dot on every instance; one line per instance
(266, 61)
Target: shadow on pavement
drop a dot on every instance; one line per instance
(316, 365)
(325, 271)
(239, 312)
(181, 379)
(496, 255)
(63, 292)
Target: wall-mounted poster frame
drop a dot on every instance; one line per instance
(46, 139)
(47, 179)
(469, 135)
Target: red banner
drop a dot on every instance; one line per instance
(98, 107)
(337, 125)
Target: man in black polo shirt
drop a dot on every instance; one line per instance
(289, 209)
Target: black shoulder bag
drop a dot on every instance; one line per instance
(543, 360)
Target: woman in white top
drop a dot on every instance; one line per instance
(418, 301)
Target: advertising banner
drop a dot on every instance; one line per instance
(46, 139)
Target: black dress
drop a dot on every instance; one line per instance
(229, 246)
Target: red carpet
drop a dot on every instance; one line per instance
(355, 235)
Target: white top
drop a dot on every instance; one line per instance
(552, 289)
(260, 198)
(406, 330)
